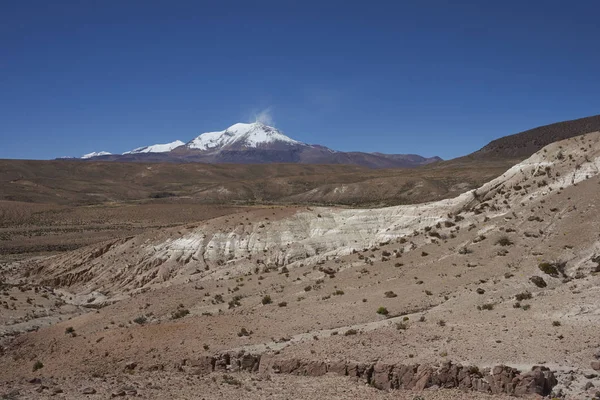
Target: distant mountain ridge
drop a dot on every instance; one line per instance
(257, 143)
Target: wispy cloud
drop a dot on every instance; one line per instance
(265, 117)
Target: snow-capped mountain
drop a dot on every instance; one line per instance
(257, 143)
(156, 148)
(241, 135)
(95, 154)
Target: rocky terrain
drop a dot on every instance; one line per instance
(489, 293)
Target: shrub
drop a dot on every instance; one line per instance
(338, 292)
(538, 281)
(464, 250)
(70, 330)
(243, 332)
(523, 296)
(141, 320)
(382, 311)
(552, 269)
(282, 304)
(350, 332)
(556, 323)
(401, 326)
(308, 288)
(504, 241)
(37, 365)
(230, 380)
(441, 322)
(235, 301)
(487, 306)
(390, 294)
(267, 300)
(182, 312)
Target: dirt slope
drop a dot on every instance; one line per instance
(505, 274)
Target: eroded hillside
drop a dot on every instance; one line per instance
(505, 274)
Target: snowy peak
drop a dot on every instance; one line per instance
(156, 148)
(95, 154)
(244, 135)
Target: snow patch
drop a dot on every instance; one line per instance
(95, 154)
(247, 135)
(156, 148)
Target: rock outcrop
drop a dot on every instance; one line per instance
(499, 379)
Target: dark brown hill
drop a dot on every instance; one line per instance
(524, 144)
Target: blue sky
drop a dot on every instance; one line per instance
(427, 77)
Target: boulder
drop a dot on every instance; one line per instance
(203, 365)
(337, 367)
(382, 376)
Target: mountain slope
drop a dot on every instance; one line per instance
(505, 274)
(240, 136)
(524, 144)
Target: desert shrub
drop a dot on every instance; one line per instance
(267, 300)
(424, 254)
(182, 312)
(308, 288)
(37, 365)
(338, 292)
(141, 320)
(428, 293)
(282, 304)
(243, 332)
(162, 195)
(523, 296)
(487, 306)
(235, 301)
(553, 269)
(382, 311)
(504, 241)
(441, 322)
(70, 330)
(464, 250)
(401, 326)
(230, 380)
(350, 332)
(390, 294)
(556, 323)
(538, 281)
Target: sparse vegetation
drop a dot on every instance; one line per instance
(244, 332)
(37, 365)
(141, 320)
(382, 311)
(523, 296)
(180, 313)
(504, 241)
(266, 300)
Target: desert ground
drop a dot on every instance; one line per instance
(487, 287)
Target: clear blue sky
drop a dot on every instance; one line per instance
(428, 77)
